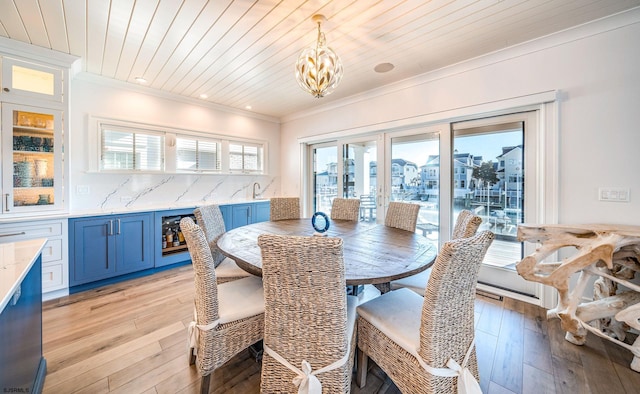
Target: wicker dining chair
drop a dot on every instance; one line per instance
(407, 335)
(210, 219)
(345, 209)
(309, 319)
(402, 215)
(228, 317)
(283, 208)
(466, 226)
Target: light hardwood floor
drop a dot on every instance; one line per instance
(131, 338)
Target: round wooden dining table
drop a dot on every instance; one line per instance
(373, 253)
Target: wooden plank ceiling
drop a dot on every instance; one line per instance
(242, 52)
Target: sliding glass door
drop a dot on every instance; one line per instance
(499, 167)
(414, 177)
(492, 165)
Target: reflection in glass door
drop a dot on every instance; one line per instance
(415, 178)
(359, 176)
(489, 179)
(325, 176)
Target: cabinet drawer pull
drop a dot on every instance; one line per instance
(12, 234)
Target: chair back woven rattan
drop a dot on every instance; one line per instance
(466, 225)
(345, 209)
(446, 323)
(305, 311)
(218, 345)
(402, 215)
(283, 208)
(210, 219)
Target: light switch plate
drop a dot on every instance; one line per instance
(614, 194)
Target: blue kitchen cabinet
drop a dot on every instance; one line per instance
(241, 215)
(22, 365)
(261, 212)
(254, 212)
(107, 246)
(226, 216)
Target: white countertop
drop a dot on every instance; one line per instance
(97, 212)
(16, 259)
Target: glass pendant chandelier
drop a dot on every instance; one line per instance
(319, 69)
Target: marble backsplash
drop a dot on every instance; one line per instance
(98, 193)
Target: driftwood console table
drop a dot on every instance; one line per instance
(608, 254)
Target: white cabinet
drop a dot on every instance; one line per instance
(55, 261)
(21, 79)
(32, 161)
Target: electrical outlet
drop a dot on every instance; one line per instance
(617, 194)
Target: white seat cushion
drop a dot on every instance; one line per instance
(240, 298)
(352, 304)
(229, 269)
(397, 315)
(416, 283)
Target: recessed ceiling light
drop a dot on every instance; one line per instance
(248, 107)
(140, 80)
(383, 67)
(203, 96)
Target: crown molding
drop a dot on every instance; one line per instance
(32, 53)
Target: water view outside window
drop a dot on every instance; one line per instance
(487, 171)
(415, 178)
(494, 179)
(325, 177)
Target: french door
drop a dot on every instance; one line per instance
(414, 176)
(347, 169)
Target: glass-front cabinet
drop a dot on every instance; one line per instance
(31, 159)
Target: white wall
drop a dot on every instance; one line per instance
(124, 192)
(595, 68)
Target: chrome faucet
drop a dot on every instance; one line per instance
(254, 190)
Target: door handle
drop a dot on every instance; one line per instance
(6, 202)
(118, 233)
(110, 227)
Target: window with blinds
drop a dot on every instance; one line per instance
(245, 157)
(195, 154)
(124, 149)
(124, 146)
